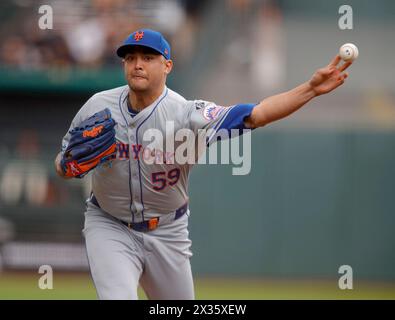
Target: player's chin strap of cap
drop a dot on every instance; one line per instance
(146, 225)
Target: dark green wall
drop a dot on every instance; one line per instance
(314, 200)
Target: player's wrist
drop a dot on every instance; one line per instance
(310, 91)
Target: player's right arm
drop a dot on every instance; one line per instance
(282, 105)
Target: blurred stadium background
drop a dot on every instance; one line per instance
(321, 189)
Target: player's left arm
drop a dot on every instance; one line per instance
(280, 106)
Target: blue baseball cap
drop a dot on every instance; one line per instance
(145, 38)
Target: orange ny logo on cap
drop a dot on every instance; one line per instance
(138, 35)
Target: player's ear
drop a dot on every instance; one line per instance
(168, 66)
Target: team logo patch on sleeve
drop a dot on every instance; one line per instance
(212, 112)
(199, 105)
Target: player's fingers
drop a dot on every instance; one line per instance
(335, 61)
(338, 84)
(327, 70)
(342, 79)
(344, 66)
(343, 75)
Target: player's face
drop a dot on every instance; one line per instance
(145, 69)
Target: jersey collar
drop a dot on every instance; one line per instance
(141, 115)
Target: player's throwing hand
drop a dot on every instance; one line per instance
(330, 77)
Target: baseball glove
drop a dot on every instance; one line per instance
(91, 143)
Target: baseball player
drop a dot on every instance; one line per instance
(136, 218)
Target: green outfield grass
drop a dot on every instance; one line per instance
(18, 285)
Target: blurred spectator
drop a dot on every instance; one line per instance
(268, 59)
(13, 51)
(26, 175)
(87, 33)
(87, 42)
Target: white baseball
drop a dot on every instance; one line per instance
(348, 52)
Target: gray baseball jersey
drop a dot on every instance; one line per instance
(146, 181)
(132, 189)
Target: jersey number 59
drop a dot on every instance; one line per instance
(160, 179)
